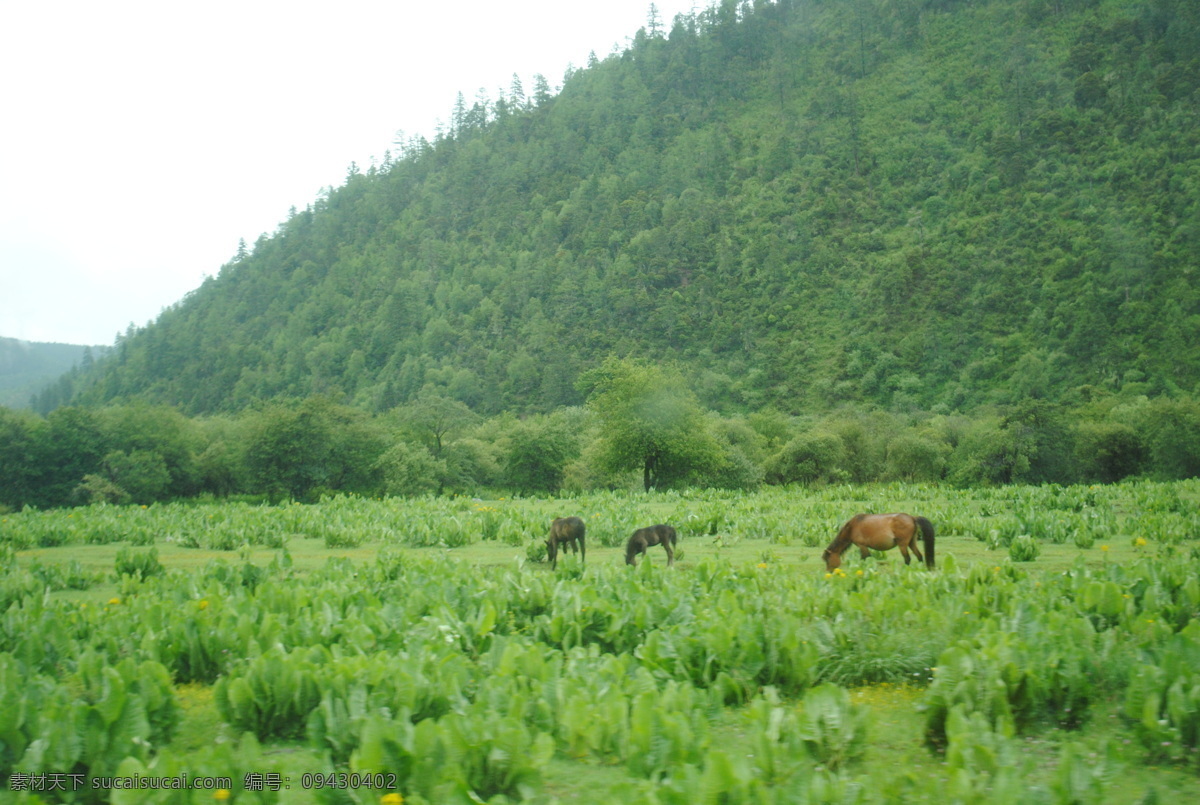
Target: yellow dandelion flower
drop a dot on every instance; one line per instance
(858, 572)
(221, 794)
(1104, 547)
(829, 575)
(762, 564)
(203, 603)
(114, 601)
(391, 799)
(1140, 541)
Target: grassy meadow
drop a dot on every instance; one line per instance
(420, 650)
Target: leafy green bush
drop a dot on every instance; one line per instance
(273, 697)
(1015, 679)
(237, 762)
(536, 551)
(1078, 780)
(808, 458)
(1083, 538)
(1024, 549)
(89, 724)
(138, 564)
(984, 764)
(666, 730)
(971, 681)
(416, 686)
(23, 699)
(916, 457)
(831, 728)
(1163, 698)
(70, 576)
(472, 756)
(343, 538)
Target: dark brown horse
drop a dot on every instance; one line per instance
(643, 538)
(881, 532)
(568, 532)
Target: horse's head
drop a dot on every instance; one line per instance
(833, 559)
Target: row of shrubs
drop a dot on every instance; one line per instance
(138, 453)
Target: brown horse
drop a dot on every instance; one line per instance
(881, 532)
(568, 532)
(643, 538)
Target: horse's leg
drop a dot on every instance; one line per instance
(912, 544)
(670, 552)
(864, 551)
(911, 540)
(552, 549)
(582, 550)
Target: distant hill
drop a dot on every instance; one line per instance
(26, 367)
(806, 204)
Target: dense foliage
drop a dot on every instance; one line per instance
(641, 428)
(916, 205)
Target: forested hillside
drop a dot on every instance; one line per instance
(918, 205)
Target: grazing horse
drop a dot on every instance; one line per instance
(568, 532)
(881, 532)
(643, 538)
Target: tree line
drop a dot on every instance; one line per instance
(642, 426)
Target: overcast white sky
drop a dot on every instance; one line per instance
(140, 139)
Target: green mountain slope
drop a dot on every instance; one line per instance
(27, 366)
(932, 205)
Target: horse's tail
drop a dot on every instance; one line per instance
(672, 534)
(926, 537)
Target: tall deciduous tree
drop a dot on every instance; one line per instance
(649, 421)
(70, 447)
(538, 451)
(299, 451)
(433, 419)
(19, 458)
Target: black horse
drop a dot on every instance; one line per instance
(643, 538)
(568, 532)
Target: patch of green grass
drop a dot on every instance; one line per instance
(583, 780)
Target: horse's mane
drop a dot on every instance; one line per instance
(842, 541)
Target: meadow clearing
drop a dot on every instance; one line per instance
(418, 650)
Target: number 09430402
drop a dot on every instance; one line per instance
(349, 780)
